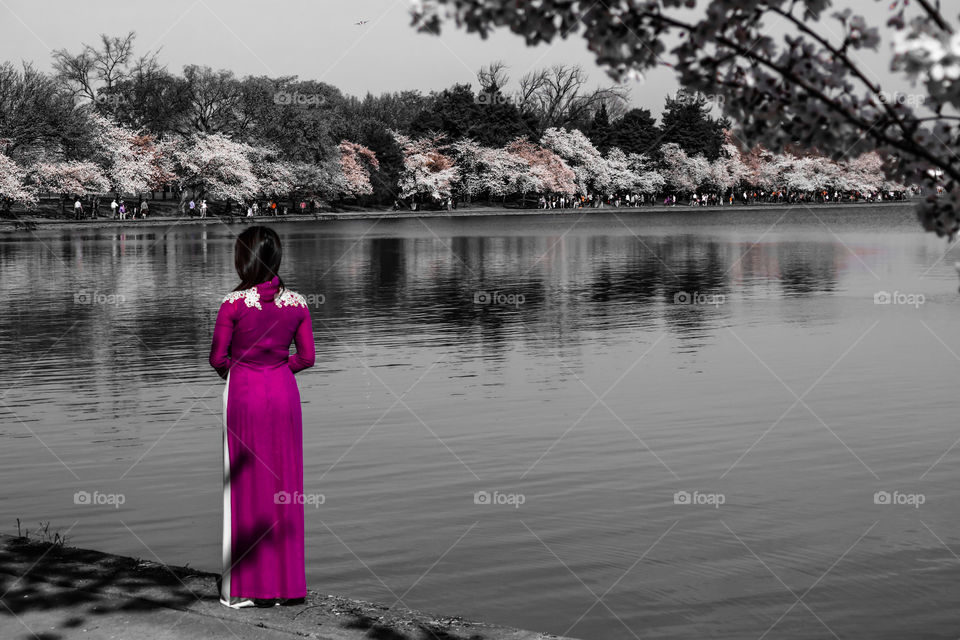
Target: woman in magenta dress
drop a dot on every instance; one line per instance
(263, 541)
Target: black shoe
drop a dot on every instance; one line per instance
(292, 602)
(263, 603)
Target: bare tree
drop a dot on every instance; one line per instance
(34, 114)
(100, 68)
(213, 99)
(557, 97)
(493, 77)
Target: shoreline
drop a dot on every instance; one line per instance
(52, 589)
(25, 223)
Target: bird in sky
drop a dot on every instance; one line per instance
(361, 22)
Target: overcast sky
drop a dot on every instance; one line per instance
(318, 39)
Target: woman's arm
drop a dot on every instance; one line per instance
(222, 336)
(303, 338)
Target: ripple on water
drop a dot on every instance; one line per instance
(597, 399)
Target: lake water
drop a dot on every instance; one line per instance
(582, 388)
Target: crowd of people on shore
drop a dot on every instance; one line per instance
(274, 208)
(122, 210)
(747, 197)
(119, 209)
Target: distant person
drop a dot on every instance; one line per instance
(78, 210)
(113, 208)
(123, 210)
(144, 209)
(256, 208)
(303, 206)
(193, 206)
(262, 430)
(249, 211)
(203, 208)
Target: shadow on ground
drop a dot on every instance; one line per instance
(52, 592)
(44, 577)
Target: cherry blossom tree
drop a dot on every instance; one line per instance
(808, 88)
(275, 177)
(727, 171)
(69, 178)
(426, 170)
(865, 173)
(762, 169)
(131, 162)
(468, 154)
(683, 173)
(322, 182)
(546, 167)
(649, 179)
(796, 174)
(825, 172)
(357, 162)
(622, 178)
(520, 168)
(212, 165)
(14, 188)
(588, 165)
(506, 173)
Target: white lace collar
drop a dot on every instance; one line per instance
(251, 297)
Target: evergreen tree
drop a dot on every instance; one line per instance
(686, 121)
(636, 132)
(497, 120)
(488, 116)
(600, 130)
(451, 112)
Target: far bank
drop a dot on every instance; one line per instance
(27, 222)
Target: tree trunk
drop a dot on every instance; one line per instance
(184, 196)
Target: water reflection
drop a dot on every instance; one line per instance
(497, 333)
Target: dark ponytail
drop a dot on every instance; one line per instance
(257, 256)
